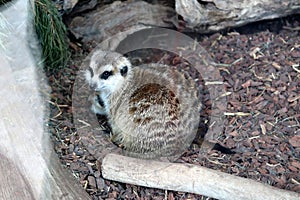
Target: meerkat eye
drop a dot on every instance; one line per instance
(105, 75)
(124, 70)
(91, 71)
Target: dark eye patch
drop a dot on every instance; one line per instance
(124, 70)
(91, 71)
(106, 74)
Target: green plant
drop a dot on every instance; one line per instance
(4, 2)
(51, 32)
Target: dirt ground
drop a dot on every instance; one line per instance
(260, 65)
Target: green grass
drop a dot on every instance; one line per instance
(3, 2)
(51, 33)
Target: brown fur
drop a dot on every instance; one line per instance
(156, 113)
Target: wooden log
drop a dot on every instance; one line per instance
(214, 15)
(13, 177)
(29, 167)
(188, 178)
(128, 16)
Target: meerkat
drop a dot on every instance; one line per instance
(153, 109)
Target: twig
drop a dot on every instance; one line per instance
(59, 110)
(85, 123)
(295, 67)
(214, 83)
(237, 114)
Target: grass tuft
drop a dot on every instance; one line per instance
(51, 32)
(2, 2)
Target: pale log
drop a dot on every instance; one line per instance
(125, 17)
(215, 15)
(29, 167)
(188, 178)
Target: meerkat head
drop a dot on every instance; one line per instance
(108, 71)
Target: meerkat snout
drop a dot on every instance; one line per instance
(93, 86)
(107, 71)
(106, 74)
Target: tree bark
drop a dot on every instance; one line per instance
(188, 178)
(214, 15)
(119, 17)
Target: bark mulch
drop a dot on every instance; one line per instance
(260, 67)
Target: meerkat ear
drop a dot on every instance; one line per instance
(124, 70)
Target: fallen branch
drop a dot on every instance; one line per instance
(215, 15)
(29, 167)
(188, 178)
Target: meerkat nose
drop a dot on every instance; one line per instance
(93, 86)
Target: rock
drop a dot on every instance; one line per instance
(104, 22)
(215, 15)
(69, 4)
(295, 141)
